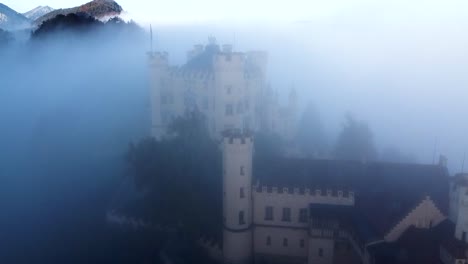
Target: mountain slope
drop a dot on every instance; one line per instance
(38, 12)
(97, 9)
(11, 20)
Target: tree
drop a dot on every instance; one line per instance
(355, 141)
(181, 177)
(310, 136)
(392, 154)
(5, 37)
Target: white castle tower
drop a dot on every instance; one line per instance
(159, 66)
(459, 207)
(237, 198)
(234, 111)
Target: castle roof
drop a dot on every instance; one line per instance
(385, 192)
(418, 245)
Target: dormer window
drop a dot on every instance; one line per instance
(228, 89)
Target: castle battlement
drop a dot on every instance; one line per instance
(158, 59)
(325, 194)
(235, 137)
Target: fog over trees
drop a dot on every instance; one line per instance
(74, 109)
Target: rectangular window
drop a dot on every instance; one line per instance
(320, 252)
(285, 242)
(286, 214)
(269, 213)
(241, 218)
(303, 215)
(228, 89)
(302, 243)
(242, 194)
(242, 171)
(268, 241)
(228, 109)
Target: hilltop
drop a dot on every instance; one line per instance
(11, 20)
(98, 9)
(38, 12)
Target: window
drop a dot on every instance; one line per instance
(228, 89)
(242, 194)
(228, 109)
(241, 218)
(303, 215)
(302, 243)
(269, 213)
(285, 242)
(268, 241)
(320, 252)
(286, 214)
(242, 170)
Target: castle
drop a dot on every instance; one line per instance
(292, 210)
(329, 211)
(229, 88)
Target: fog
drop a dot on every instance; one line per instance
(69, 106)
(402, 71)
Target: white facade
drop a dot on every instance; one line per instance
(231, 92)
(267, 223)
(237, 206)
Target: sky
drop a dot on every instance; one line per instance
(266, 10)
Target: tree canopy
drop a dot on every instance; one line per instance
(181, 177)
(355, 141)
(311, 137)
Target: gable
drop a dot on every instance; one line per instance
(424, 215)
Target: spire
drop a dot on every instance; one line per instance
(151, 39)
(293, 93)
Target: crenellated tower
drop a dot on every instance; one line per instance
(230, 100)
(237, 197)
(159, 67)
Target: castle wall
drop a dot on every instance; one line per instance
(295, 199)
(461, 228)
(294, 236)
(320, 251)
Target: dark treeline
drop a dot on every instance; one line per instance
(69, 106)
(355, 140)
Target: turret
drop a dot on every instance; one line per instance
(159, 65)
(237, 197)
(459, 205)
(230, 86)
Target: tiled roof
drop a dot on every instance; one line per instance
(385, 192)
(416, 245)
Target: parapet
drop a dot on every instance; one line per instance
(318, 193)
(158, 58)
(235, 136)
